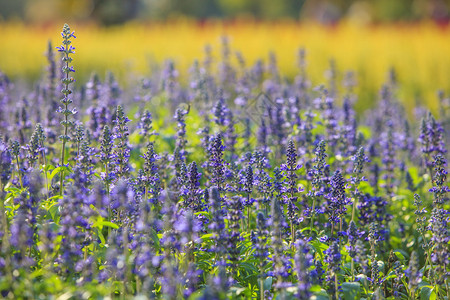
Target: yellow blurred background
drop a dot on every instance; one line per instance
(419, 52)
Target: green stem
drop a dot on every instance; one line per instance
(292, 232)
(354, 205)
(446, 287)
(66, 118)
(426, 263)
(62, 170)
(412, 293)
(312, 215)
(138, 285)
(78, 150)
(45, 172)
(353, 269)
(262, 288)
(336, 287)
(18, 171)
(332, 226)
(126, 254)
(248, 218)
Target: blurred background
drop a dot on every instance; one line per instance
(134, 37)
(110, 12)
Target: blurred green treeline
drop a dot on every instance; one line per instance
(110, 12)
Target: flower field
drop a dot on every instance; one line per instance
(240, 160)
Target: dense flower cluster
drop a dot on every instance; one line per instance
(235, 185)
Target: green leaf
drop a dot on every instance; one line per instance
(248, 267)
(12, 189)
(315, 288)
(57, 197)
(109, 224)
(308, 229)
(54, 212)
(433, 295)
(320, 295)
(424, 284)
(101, 236)
(319, 247)
(400, 254)
(363, 279)
(47, 168)
(390, 276)
(202, 213)
(54, 172)
(268, 283)
(58, 170)
(206, 237)
(155, 238)
(351, 290)
(427, 292)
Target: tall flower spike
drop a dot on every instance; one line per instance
(317, 174)
(262, 180)
(150, 176)
(333, 258)
(303, 261)
(106, 155)
(51, 87)
(440, 188)
(439, 239)
(145, 125)
(290, 169)
(337, 200)
(281, 265)
(34, 147)
(181, 132)
(413, 273)
(122, 149)
(352, 233)
(67, 49)
(5, 165)
(234, 215)
(191, 190)
(359, 159)
(217, 224)
(216, 162)
(320, 164)
(420, 212)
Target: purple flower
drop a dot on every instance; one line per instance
(106, 148)
(150, 176)
(191, 191)
(303, 261)
(6, 164)
(122, 149)
(145, 124)
(440, 189)
(234, 216)
(352, 233)
(216, 162)
(337, 200)
(413, 272)
(217, 224)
